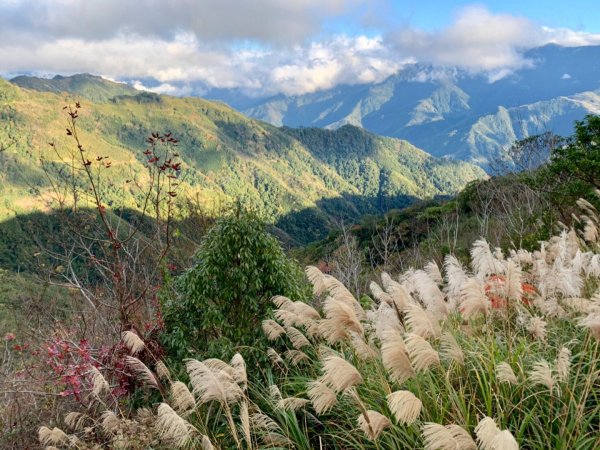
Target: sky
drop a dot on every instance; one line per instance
(269, 47)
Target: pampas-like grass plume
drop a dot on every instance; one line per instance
(421, 353)
(483, 261)
(240, 376)
(563, 364)
(49, 436)
(341, 318)
(395, 358)
(433, 271)
(379, 294)
(171, 427)
(163, 371)
(110, 422)
(296, 356)
(99, 383)
(455, 276)
(473, 299)
(592, 323)
(542, 374)
(486, 430)
(513, 282)
(292, 403)
(504, 440)
(363, 350)
(373, 423)
(450, 350)
(537, 328)
(399, 294)
(430, 294)
(272, 329)
(245, 423)
(133, 342)
(405, 406)
(505, 374)
(438, 437)
(316, 278)
(274, 357)
(183, 400)
(339, 374)
(75, 420)
(142, 372)
(463, 439)
(212, 384)
(288, 318)
(420, 322)
(298, 340)
(321, 396)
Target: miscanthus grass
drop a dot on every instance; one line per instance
(500, 354)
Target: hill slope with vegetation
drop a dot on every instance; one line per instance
(224, 155)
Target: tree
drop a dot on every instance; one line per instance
(219, 304)
(580, 158)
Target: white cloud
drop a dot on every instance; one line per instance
(188, 45)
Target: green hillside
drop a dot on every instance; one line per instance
(333, 174)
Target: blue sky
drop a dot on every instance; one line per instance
(266, 47)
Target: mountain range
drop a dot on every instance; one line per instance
(302, 180)
(450, 112)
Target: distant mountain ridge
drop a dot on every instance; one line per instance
(450, 112)
(302, 180)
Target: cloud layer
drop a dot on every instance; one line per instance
(262, 47)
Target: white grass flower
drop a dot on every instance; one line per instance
(395, 358)
(321, 396)
(473, 299)
(405, 406)
(99, 383)
(295, 356)
(542, 374)
(504, 440)
(133, 342)
(419, 321)
(592, 323)
(272, 329)
(537, 328)
(183, 400)
(299, 341)
(340, 374)
(563, 364)
(171, 427)
(505, 373)
(422, 355)
(486, 430)
(463, 439)
(438, 437)
(450, 350)
(49, 436)
(292, 403)
(373, 423)
(141, 371)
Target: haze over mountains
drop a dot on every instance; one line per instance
(302, 180)
(449, 111)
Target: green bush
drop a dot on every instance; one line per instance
(218, 305)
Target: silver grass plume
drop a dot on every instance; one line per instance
(373, 423)
(212, 384)
(592, 323)
(537, 328)
(483, 261)
(49, 436)
(240, 376)
(438, 437)
(110, 422)
(339, 374)
(340, 319)
(315, 276)
(463, 439)
(473, 299)
(379, 294)
(141, 371)
(505, 441)
(450, 350)
(513, 282)
(172, 428)
(183, 400)
(295, 356)
(163, 371)
(433, 271)
(505, 373)
(421, 353)
(395, 358)
(321, 396)
(274, 357)
(405, 406)
(455, 277)
(399, 294)
(563, 364)
(245, 423)
(75, 420)
(542, 374)
(272, 329)
(430, 294)
(292, 403)
(364, 350)
(99, 383)
(133, 342)
(299, 341)
(486, 430)
(419, 321)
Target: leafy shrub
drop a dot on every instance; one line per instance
(218, 305)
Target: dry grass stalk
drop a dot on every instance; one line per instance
(172, 428)
(422, 355)
(339, 374)
(405, 406)
(133, 342)
(322, 397)
(563, 364)
(245, 423)
(505, 374)
(49, 436)
(75, 420)
(373, 423)
(110, 422)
